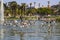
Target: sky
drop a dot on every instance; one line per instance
(42, 2)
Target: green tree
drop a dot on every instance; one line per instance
(23, 8)
(30, 5)
(34, 4)
(32, 11)
(13, 7)
(44, 11)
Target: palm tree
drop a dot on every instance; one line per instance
(30, 5)
(34, 4)
(13, 6)
(23, 6)
(39, 5)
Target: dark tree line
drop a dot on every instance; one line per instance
(13, 9)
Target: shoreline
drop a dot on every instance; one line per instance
(56, 18)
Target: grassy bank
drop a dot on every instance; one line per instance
(58, 19)
(12, 18)
(23, 18)
(35, 18)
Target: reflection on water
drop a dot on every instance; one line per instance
(34, 30)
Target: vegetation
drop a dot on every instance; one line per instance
(16, 11)
(45, 11)
(58, 19)
(13, 9)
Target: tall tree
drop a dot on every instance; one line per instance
(30, 5)
(23, 8)
(34, 4)
(39, 5)
(13, 6)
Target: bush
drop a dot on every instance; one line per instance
(58, 19)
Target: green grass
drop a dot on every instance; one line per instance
(58, 19)
(34, 18)
(12, 18)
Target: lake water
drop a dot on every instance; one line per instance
(36, 30)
